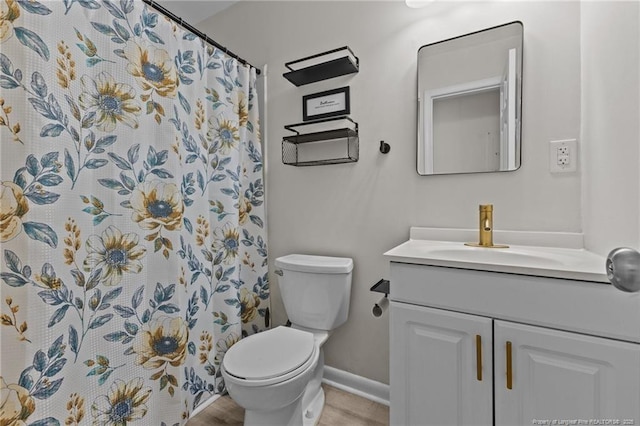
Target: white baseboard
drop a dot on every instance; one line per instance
(204, 405)
(348, 382)
(358, 385)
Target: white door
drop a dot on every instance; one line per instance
(441, 367)
(508, 123)
(556, 375)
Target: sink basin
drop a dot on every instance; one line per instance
(502, 256)
(547, 261)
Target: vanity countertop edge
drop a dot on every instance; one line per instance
(543, 254)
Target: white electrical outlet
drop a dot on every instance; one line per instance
(563, 156)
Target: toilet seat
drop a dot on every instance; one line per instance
(270, 357)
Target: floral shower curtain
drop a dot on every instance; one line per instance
(132, 232)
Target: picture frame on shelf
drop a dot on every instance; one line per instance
(330, 103)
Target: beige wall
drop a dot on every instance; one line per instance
(365, 208)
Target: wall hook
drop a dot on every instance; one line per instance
(384, 147)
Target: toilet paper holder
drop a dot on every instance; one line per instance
(382, 286)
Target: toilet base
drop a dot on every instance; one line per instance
(286, 416)
(314, 410)
(313, 399)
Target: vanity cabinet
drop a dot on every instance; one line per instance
(441, 374)
(561, 375)
(478, 348)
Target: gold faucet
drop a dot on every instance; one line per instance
(486, 228)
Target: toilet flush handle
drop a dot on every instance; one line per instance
(278, 272)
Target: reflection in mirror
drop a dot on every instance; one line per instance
(470, 102)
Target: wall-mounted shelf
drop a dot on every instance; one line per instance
(322, 66)
(382, 286)
(329, 141)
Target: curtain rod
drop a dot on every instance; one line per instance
(197, 32)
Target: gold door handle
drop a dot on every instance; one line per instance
(478, 357)
(509, 367)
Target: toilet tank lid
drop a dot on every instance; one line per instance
(315, 264)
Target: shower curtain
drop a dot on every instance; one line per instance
(132, 233)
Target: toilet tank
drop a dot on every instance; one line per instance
(315, 290)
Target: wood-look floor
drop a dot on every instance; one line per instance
(340, 409)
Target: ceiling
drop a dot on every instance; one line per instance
(195, 11)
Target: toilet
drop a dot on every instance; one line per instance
(276, 375)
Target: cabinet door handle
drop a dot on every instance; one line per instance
(509, 367)
(478, 357)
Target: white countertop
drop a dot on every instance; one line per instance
(545, 254)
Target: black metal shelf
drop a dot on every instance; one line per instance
(321, 136)
(323, 162)
(382, 286)
(344, 65)
(347, 136)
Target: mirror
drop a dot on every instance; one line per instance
(470, 102)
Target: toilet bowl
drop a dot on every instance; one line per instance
(269, 374)
(276, 375)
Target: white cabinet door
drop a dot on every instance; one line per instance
(434, 374)
(558, 375)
